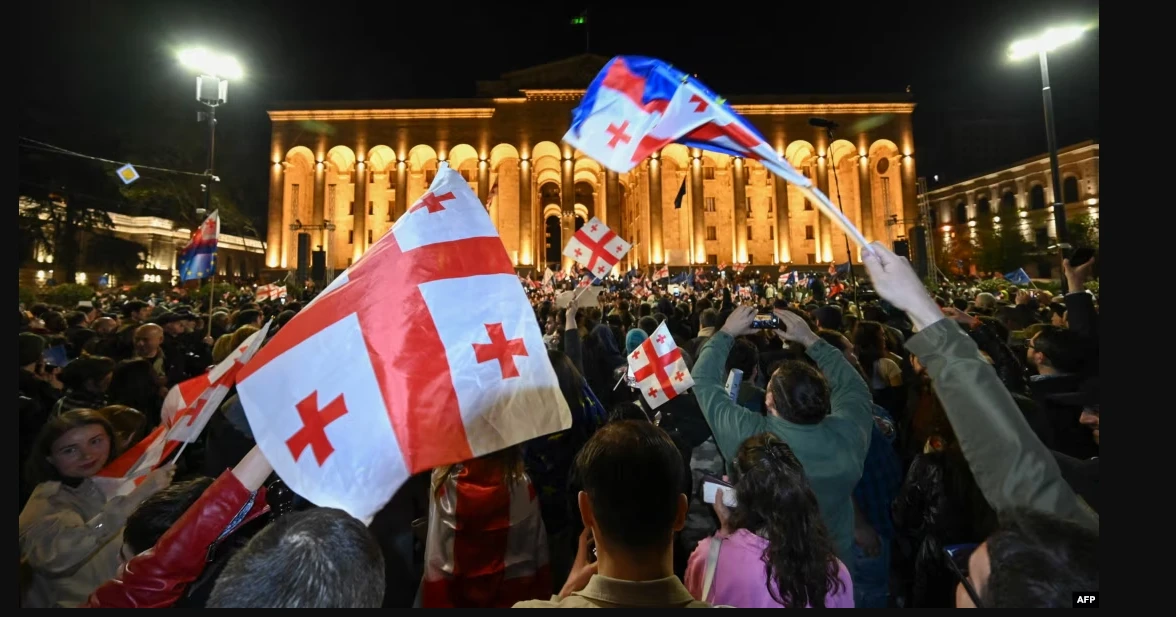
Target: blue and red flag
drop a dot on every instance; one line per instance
(638, 105)
(199, 258)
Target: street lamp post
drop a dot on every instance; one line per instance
(212, 90)
(1040, 46)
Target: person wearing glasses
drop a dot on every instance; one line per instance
(1045, 545)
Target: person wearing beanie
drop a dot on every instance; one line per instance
(633, 339)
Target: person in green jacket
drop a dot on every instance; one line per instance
(825, 416)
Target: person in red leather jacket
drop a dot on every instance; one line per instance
(158, 577)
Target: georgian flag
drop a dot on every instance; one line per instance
(423, 353)
(663, 272)
(596, 247)
(636, 105)
(658, 369)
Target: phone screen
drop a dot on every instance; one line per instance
(710, 488)
(1080, 256)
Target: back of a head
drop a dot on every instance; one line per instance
(799, 393)
(985, 300)
(147, 524)
(1038, 561)
(633, 475)
(247, 317)
(708, 318)
(829, 317)
(647, 324)
(319, 558)
(744, 356)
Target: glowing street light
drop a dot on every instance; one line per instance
(210, 63)
(212, 89)
(1048, 41)
(1040, 46)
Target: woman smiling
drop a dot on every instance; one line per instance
(70, 534)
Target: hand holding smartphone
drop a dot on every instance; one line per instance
(711, 486)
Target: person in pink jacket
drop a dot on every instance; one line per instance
(773, 549)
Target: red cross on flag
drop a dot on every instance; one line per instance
(663, 272)
(596, 247)
(658, 368)
(423, 353)
(739, 267)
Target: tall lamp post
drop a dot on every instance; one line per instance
(1040, 46)
(212, 90)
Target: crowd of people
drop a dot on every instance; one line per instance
(893, 447)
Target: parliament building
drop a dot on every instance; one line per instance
(343, 172)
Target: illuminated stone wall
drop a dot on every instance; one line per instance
(514, 142)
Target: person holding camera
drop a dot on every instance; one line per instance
(824, 413)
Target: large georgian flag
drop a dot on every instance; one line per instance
(596, 247)
(424, 353)
(658, 369)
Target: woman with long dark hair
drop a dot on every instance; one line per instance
(776, 528)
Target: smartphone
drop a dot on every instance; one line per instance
(710, 488)
(1080, 256)
(766, 322)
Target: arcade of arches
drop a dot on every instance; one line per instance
(363, 173)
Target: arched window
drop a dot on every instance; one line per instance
(961, 213)
(1037, 197)
(1008, 203)
(1070, 190)
(982, 207)
(553, 246)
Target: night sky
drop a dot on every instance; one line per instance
(101, 77)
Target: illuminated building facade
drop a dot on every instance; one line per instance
(357, 166)
(162, 241)
(1019, 198)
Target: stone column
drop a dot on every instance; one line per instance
(526, 232)
(567, 196)
(824, 239)
(738, 181)
(697, 203)
(783, 222)
(320, 187)
(910, 200)
(484, 190)
(613, 216)
(656, 234)
(273, 234)
(318, 207)
(360, 218)
(866, 198)
(401, 190)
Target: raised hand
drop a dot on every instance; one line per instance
(897, 283)
(795, 329)
(739, 322)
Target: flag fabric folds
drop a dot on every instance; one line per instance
(636, 105)
(423, 353)
(658, 368)
(186, 411)
(198, 260)
(596, 247)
